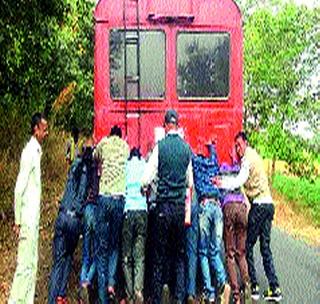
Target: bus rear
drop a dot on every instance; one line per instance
(152, 55)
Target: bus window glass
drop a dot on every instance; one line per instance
(203, 65)
(152, 65)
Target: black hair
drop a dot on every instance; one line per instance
(242, 135)
(134, 152)
(35, 121)
(115, 130)
(87, 154)
(75, 133)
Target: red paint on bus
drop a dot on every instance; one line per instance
(201, 118)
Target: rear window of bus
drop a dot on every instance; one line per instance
(152, 64)
(203, 65)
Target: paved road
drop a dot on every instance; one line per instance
(298, 269)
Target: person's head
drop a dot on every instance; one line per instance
(116, 131)
(75, 133)
(39, 127)
(171, 120)
(135, 152)
(87, 153)
(241, 143)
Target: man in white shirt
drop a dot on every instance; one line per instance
(27, 214)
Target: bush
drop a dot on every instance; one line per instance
(278, 144)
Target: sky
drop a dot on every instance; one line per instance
(309, 3)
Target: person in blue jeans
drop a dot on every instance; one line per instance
(88, 269)
(192, 234)
(68, 226)
(109, 217)
(210, 225)
(112, 152)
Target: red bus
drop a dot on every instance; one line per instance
(153, 55)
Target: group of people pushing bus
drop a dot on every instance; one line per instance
(132, 213)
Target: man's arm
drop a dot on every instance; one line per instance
(213, 154)
(151, 168)
(82, 189)
(190, 175)
(26, 165)
(234, 182)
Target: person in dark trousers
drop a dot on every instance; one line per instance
(254, 179)
(112, 152)
(151, 238)
(235, 222)
(68, 226)
(134, 231)
(171, 162)
(210, 224)
(192, 236)
(88, 269)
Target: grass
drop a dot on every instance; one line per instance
(301, 193)
(294, 221)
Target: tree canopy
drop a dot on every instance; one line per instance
(276, 42)
(280, 52)
(45, 47)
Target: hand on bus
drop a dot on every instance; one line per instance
(214, 140)
(216, 180)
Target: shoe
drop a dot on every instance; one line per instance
(236, 301)
(211, 300)
(139, 297)
(247, 294)
(84, 295)
(255, 295)
(165, 296)
(61, 300)
(191, 300)
(273, 294)
(111, 294)
(224, 293)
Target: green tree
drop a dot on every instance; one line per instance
(45, 46)
(274, 43)
(276, 39)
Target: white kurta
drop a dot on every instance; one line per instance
(27, 215)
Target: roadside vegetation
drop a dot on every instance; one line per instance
(302, 194)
